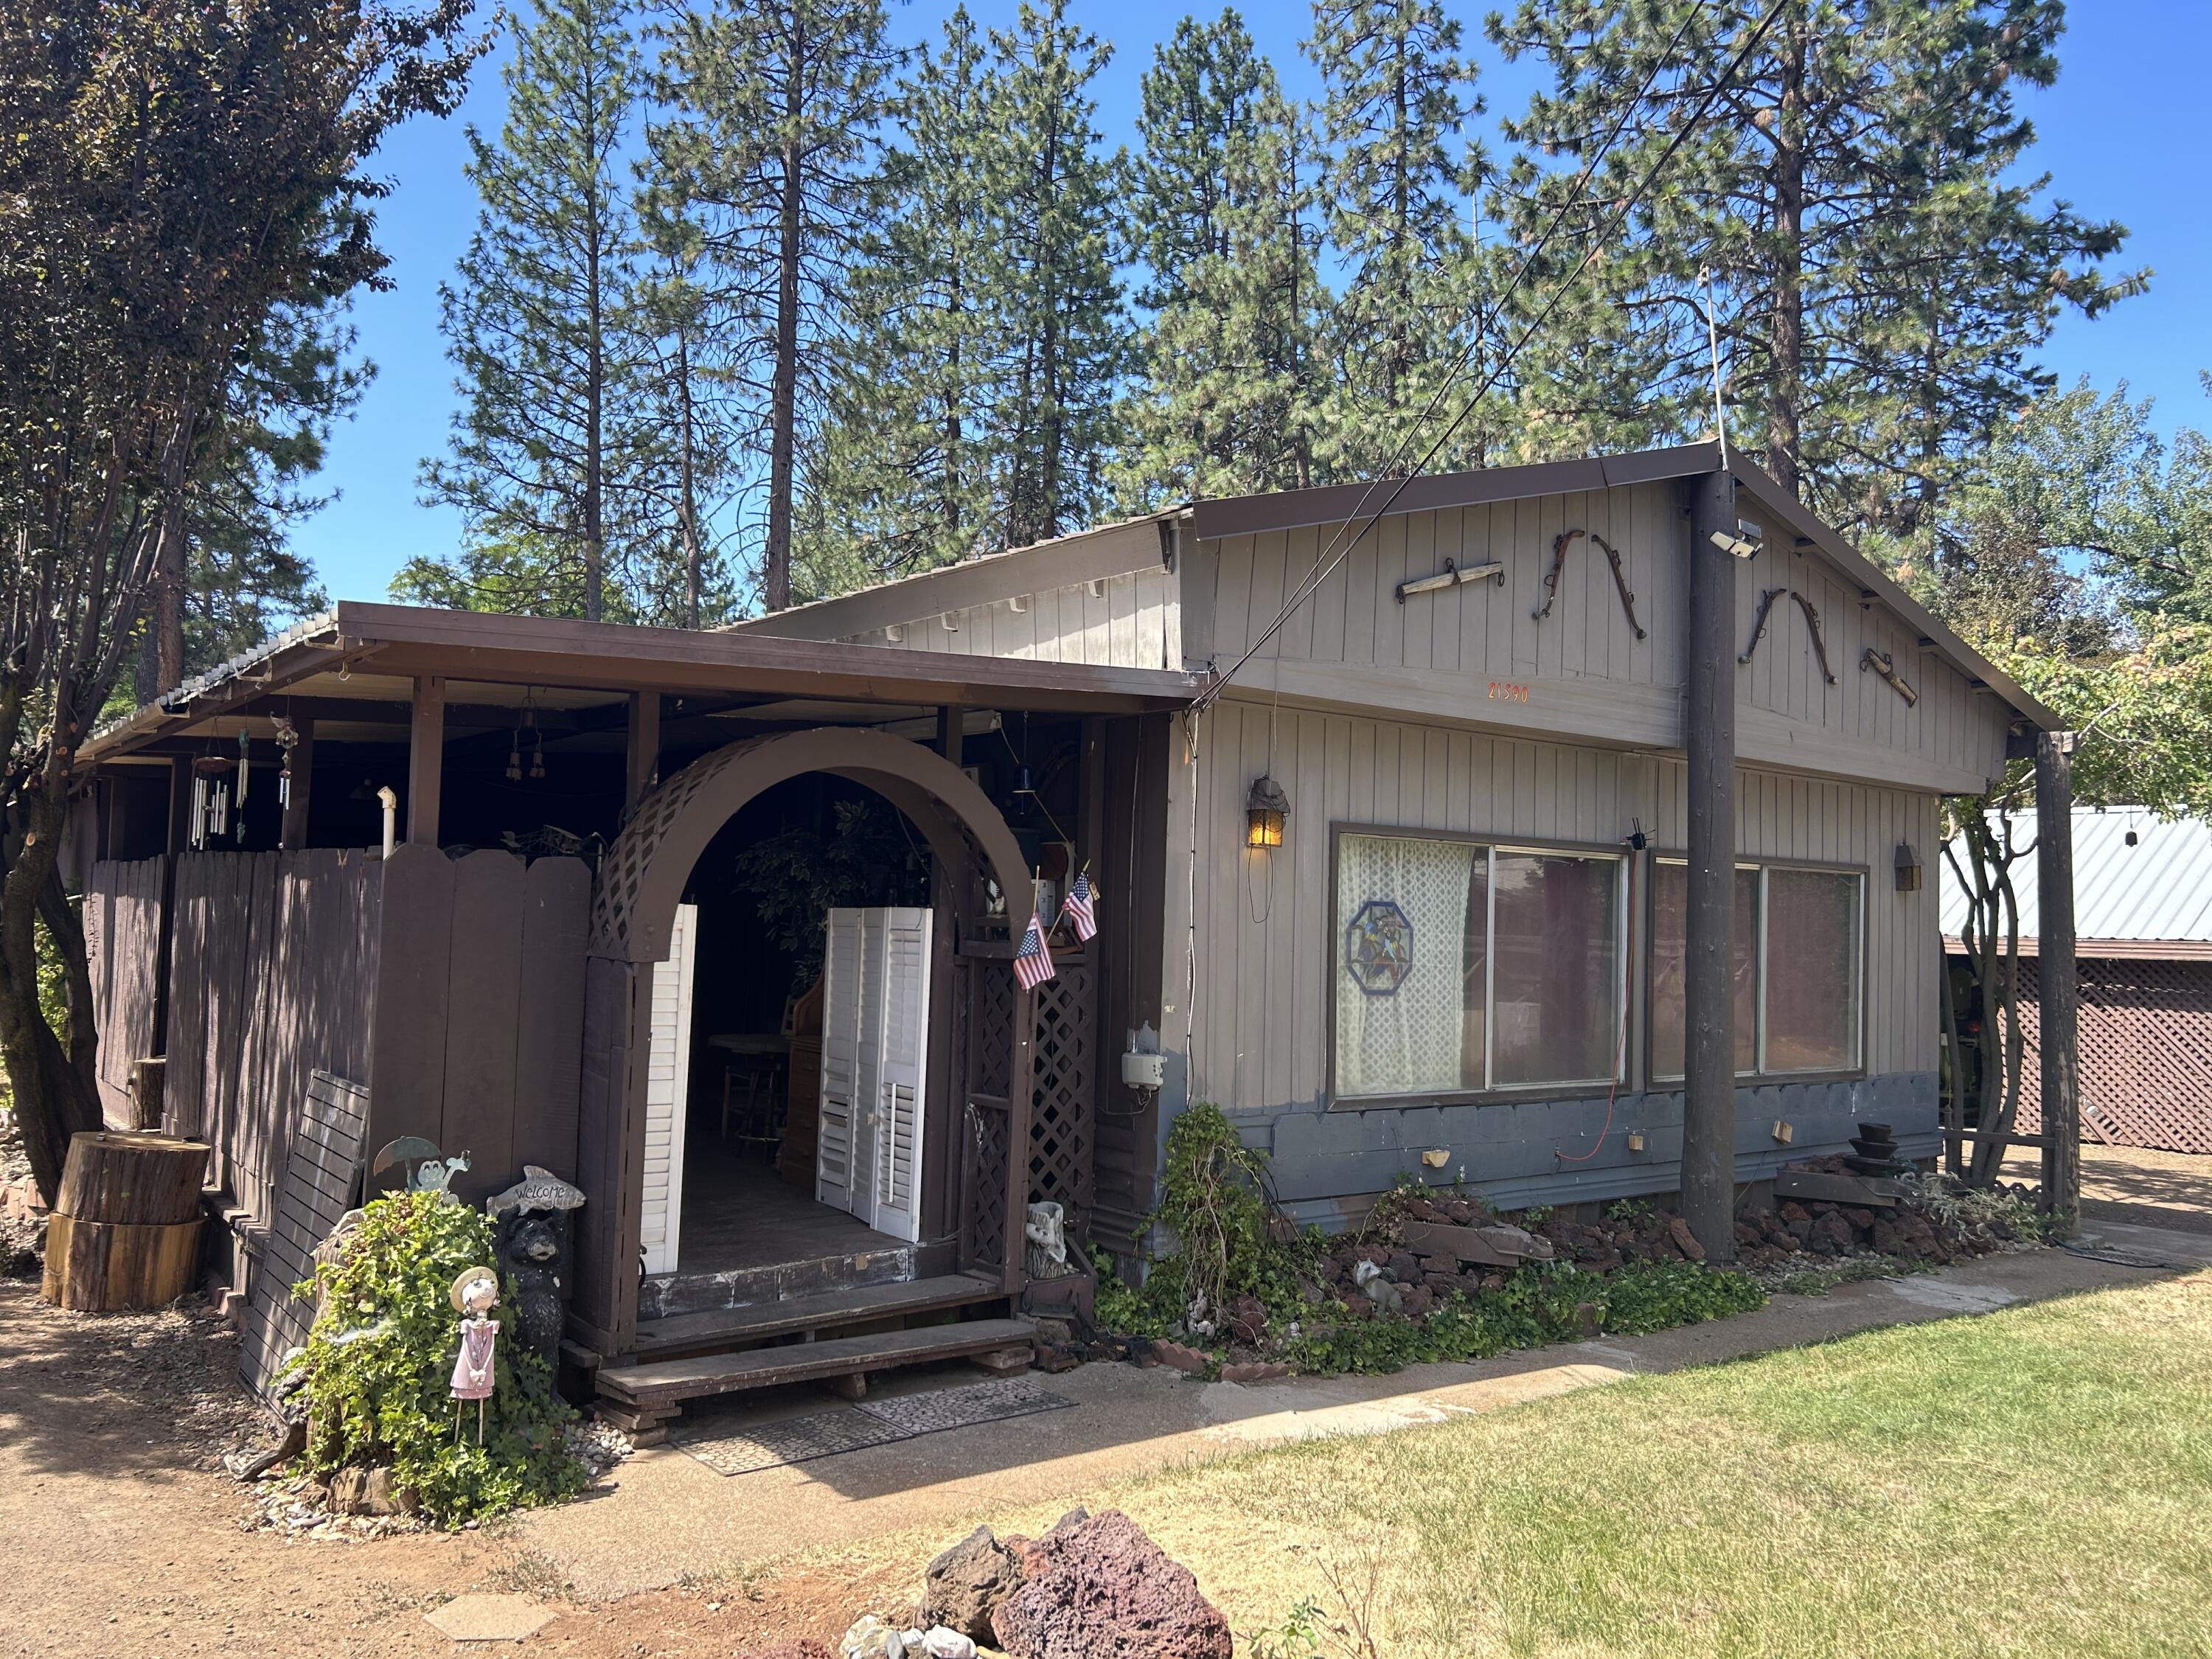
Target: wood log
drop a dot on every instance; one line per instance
(143, 1179)
(147, 1078)
(101, 1267)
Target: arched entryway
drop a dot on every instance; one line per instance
(641, 884)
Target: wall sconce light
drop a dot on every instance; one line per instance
(1266, 811)
(1908, 868)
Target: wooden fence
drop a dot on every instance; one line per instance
(452, 989)
(272, 976)
(122, 943)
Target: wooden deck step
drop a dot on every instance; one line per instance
(681, 1335)
(659, 1389)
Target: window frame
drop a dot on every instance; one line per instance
(1614, 852)
(1672, 1082)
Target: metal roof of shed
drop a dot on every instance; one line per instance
(2157, 892)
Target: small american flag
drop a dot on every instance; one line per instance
(1080, 908)
(1033, 961)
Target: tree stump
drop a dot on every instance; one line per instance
(124, 1232)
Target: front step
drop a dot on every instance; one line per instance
(679, 1336)
(642, 1398)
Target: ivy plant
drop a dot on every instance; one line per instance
(378, 1364)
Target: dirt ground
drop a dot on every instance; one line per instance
(2131, 1184)
(124, 1537)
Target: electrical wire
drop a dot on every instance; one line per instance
(1312, 584)
(1621, 1046)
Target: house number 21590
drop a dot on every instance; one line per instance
(1505, 691)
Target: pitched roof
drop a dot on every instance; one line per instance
(2156, 891)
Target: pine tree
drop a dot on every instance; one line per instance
(546, 449)
(770, 152)
(1226, 405)
(1399, 173)
(902, 483)
(686, 497)
(1061, 341)
(1879, 282)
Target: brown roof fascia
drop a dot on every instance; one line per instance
(2111, 950)
(1298, 509)
(462, 645)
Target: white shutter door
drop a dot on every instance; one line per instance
(840, 1061)
(667, 1078)
(897, 1207)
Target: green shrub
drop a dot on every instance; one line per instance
(379, 1366)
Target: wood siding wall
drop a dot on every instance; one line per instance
(480, 999)
(272, 977)
(122, 946)
(1133, 623)
(1264, 935)
(1585, 672)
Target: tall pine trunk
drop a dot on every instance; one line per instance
(1786, 337)
(689, 506)
(595, 388)
(783, 397)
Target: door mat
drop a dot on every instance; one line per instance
(855, 1427)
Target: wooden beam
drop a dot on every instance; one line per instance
(644, 753)
(180, 804)
(952, 731)
(293, 834)
(2057, 989)
(1709, 1086)
(426, 759)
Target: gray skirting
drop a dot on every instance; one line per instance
(1327, 1165)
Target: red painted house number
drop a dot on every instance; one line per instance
(1506, 692)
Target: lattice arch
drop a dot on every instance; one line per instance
(641, 878)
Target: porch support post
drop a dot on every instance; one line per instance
(426, 759)
(1021, 1084)
(952, 731)
(294, 835)
(644, 753)
(1709, 1089)
(2058, 990)
(165, 939)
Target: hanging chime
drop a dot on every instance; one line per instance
(288, 737)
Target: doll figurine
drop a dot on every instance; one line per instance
(475, 1293)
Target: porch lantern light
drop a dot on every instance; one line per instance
(1266, 811)
(1908, 868)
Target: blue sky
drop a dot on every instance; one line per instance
(2121, 134)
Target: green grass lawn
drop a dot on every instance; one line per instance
(2033, 1481)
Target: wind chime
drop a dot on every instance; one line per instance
(287, 739)
(537, 745)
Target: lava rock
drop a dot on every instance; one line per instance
(1678, 1230)
(1099, 1589)
(804, 1648)
(1831, 1235)
(965, 1584)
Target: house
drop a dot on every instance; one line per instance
(1564, 842)
(2143, 955)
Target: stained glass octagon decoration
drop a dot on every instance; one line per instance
(1378, 948)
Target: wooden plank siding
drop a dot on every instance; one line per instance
(272, 979)
(122, 932)
(1265, 937)
(1133, 625)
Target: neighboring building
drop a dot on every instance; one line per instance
(2142, 923)
(1406, 896)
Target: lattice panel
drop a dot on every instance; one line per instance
(2146, 1042)
(991, 1025)
(983, 1214)
(1064, 1069)
(622, 870)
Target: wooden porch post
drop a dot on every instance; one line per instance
(426, 759)
(643, 762)
(952, 731)
(294, 835)
(180, 806)
(2057, 989)
(1021, 1084)
(1709, 1084)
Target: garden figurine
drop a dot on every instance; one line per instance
(475, 1293)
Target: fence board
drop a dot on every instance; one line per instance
(320, 1180)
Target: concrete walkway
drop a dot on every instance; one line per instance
(669, 1517)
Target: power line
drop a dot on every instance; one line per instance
(1309, 587)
